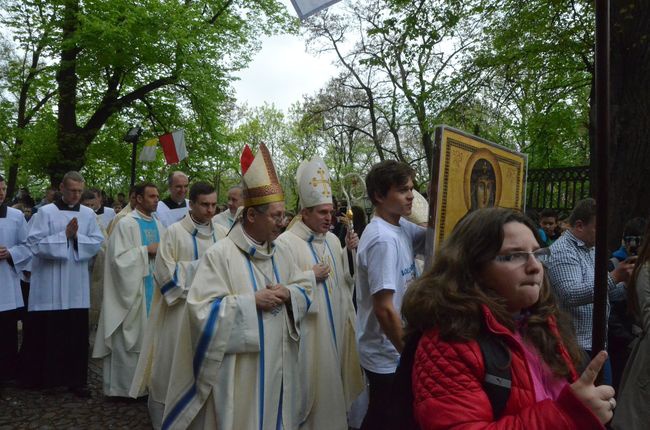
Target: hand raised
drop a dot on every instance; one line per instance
(599, 399)
(623, 271)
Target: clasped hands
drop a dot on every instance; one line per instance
(321, 271)
(72, 228)
(271, 297)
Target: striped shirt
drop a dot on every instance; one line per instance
(570, 269)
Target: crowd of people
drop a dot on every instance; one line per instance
(251, 318)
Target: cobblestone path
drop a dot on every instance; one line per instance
(60, 409)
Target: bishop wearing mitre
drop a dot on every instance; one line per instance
(244, 309)
(331, 376)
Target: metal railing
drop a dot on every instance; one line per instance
(557, 188)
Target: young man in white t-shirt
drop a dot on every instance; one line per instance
(386, 265)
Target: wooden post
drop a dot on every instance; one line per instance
(602, 118)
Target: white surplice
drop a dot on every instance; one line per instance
(60, 277)
(178, 254)
(240, 371)
(331, 376)
(105, 218)
(13, 234)
(124, 311)
(169, 216)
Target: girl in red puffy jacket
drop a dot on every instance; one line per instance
(488, 278)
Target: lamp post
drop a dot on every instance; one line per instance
(132, 136)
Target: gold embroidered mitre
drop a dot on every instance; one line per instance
(261, 185)
(314, 186)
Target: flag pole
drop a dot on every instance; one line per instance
(602, 127)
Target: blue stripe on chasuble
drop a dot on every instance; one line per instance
(202, 346)
(204, 341)
(196, 246)
(171, 284)
(261, 330)
(327, 294)
(148, 235)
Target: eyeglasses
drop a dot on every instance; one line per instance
(278, 219)
(520, 258)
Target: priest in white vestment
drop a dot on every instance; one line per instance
(130, 206)
(331, 376)
(96, 264)
(63, 237)
(105, 214)
(244, 310)
(235, 200)
(14, 259)
(181, 247)
(128, 291)
(174, 207)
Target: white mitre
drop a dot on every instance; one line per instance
(314, 187)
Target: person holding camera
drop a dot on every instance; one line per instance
(620, 327)
(634, 412)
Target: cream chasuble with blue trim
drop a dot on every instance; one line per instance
(241, 372)
(178, 255)
(330, 373)
(127, 272)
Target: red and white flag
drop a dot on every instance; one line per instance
(306, 8)
(173, 145)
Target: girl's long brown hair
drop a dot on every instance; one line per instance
(449, 296)
(642, 259)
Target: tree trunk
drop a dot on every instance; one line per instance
(14, 159)
(14, 162)
(427, 143)
(629, 152)
(71, 151)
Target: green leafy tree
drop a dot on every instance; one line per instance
(537, 59)
(420, 47)
(169, 62)
(26, 80)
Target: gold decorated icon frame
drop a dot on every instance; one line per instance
(469, 172)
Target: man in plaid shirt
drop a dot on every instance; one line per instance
(570, 270)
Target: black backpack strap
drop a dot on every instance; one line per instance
(400, 415)
(498, 375)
